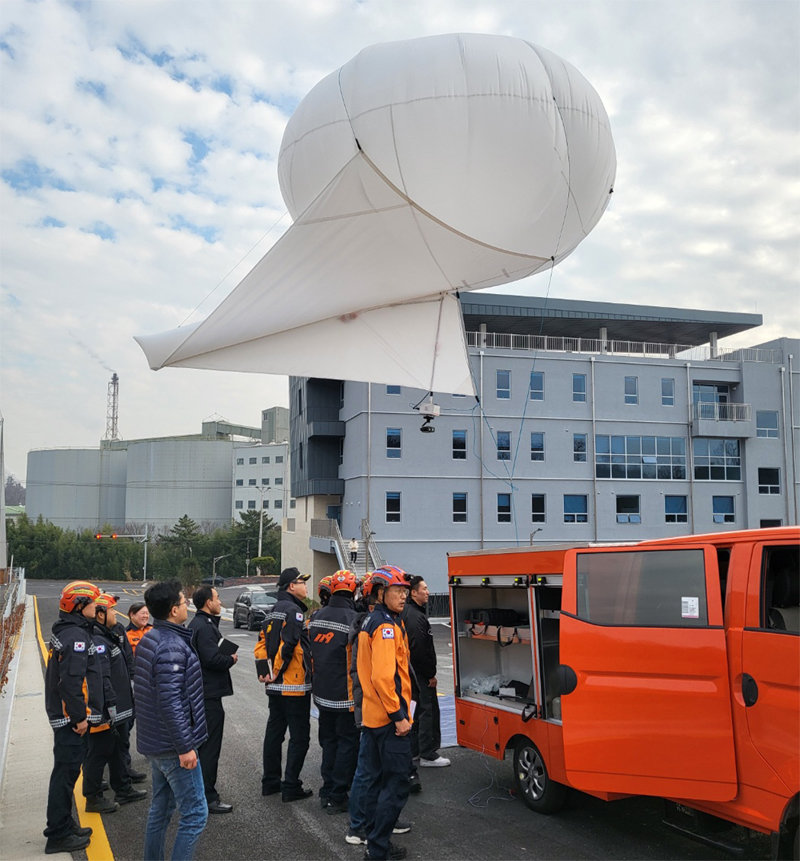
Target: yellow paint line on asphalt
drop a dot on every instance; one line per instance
(99, 849)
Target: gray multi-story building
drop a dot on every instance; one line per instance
(594, 422)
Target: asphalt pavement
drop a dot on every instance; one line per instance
(468, 810)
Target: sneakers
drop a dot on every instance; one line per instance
(395, 852)
(439, 762)
(333, 807)
(401, 827)
(355, 836)
(98, 804)
(130, 795)
(70, 843)
(414, 786)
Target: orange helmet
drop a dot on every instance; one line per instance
(104, 599)
(390, 575)
(77, 595)
(343, 580)
(324, 587)
(366, 585)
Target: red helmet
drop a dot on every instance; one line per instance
(343, 580)
(324, 586)
(77, 595)
(390, 575)
(105, 600)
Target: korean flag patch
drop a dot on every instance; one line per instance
(388, 633)
(79, 646)
(299, 617)
(100, 649)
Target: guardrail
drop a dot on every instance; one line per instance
(722, 412)
(12, 600)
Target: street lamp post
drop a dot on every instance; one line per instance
(262, 491)
(538, 529)
(214, 565)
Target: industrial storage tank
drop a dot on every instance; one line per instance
(76, 488)
(170, 478)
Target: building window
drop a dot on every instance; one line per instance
(716, 459)
(393, 442)
(239, 461)
(279, 480)
(300, 455)
(632, 390)
(292, 503)
(459, 445)
(251, 482)
(251, 503)
(537, 445)
(278, 458)
(239, 504)
(278, 503)
(265, 503)
(767, 423)
(722, 509)
(504, 508)
(628, 509)
(537, 508)
(769, 480)
(392, 506)
(299, 402)
(766, 524)
(675, 510)
(503, 385)
(240, 482)
(459, 508)
(252, 460)
(392, 390)
(667, 392)
(579, 447)
(579, 388)
(504, 445)
(265, 481)
(264, 460)
(660, 457)
(576, 507)
(537, 386)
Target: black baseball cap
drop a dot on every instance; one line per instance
(290, 575)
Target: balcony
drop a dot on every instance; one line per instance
(726, 421)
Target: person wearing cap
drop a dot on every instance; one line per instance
(385, 677)
(109, 740)
(217, 684)
(283, 640)
(332, 690)
(71, 700)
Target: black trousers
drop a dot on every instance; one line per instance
(294, 714)
(338, 737)
(69, 751)
(105, 747)
(123, 729)
(426, 732)
(210, 749)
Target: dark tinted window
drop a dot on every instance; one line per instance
(664, 588)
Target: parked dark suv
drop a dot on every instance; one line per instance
(251, 607)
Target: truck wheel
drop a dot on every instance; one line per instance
(533, 782)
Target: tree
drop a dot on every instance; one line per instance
(15, 492)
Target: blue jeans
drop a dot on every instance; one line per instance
(173, 787)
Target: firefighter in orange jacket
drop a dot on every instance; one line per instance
(284, 641)
(384, 676)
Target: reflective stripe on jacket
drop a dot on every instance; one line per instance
(383, 670)
(329, 631)
(284, 640)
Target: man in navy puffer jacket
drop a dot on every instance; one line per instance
(171, 723)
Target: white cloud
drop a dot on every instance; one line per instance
(101, 103)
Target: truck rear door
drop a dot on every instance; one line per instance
(645, 694)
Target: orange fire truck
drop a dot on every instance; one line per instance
(667, 668)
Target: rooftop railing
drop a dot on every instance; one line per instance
(596, 346)
(722, 412)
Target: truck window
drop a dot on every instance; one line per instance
(653, 588)
(780, 589)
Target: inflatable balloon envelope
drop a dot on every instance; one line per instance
(417, 170)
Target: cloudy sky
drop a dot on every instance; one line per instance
(139, 183)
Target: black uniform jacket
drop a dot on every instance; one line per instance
(216, 667)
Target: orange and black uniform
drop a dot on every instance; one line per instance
(284, 640)
(73, 693)
(135, 634)
(384, 676)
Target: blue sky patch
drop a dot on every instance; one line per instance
(209, 234)
(101, 229)
(94, 88)
(28, 174)
(199, 147)
(51, 221)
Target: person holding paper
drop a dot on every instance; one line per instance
(217, 656)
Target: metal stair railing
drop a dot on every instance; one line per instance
(372, 551)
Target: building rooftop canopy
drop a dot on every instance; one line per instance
(577, 318)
